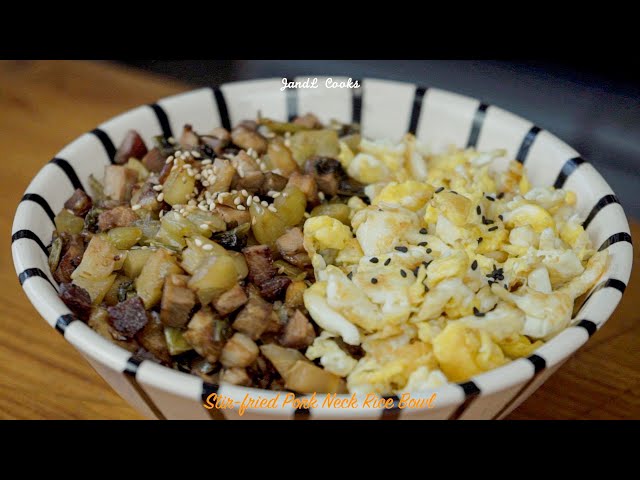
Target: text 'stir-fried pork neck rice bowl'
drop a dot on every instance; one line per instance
(388, 241)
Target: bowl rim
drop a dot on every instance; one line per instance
(521, 371)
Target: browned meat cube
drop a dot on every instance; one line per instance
(73, 251)
(231, 300)
(118, 182)
(154, 160)
(290, 247)
(128, 317)
(250, 181)
(145, 196)
(294, 296)
(99, 322)
(232, 216)
(254, 318)
(79, 203)
(260, 264)
(205, 335)
(308, 120)
(188, 139)
(235, 376)
(177, 301)
(274, 287)
(132, 146)
(120, 216)
(247, 138)
(307, 184)
(152, 338)
(273, 183)
(298, 333)
(77, 299)
(217, 140)
(239, 351)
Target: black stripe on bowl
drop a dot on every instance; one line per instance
(31, 236)
(418, 96)
(538, 362)
(292, 102)
(478, 120)
(608, 283)
(130, 370)
(34, 272)
(588, 325)
(393, 412)
(64, 321)
(615, 238)
(207, 390)
(527, 141)
(603, 202)
(222, 108)
(471, 391)
(69, 172)
(302, 413)
(356, 103)
(34, 197)
(108, 145)
(568, 168)
(163, 120)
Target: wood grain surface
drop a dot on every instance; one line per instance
(46, 104)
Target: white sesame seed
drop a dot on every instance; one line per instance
(237, 201)
(178, 153)
(144, 247)
(206, 161)
(212, 207)
(249, 201)
(244, 192)
(321, 196)
(213, 178)
(263, 167)
(137, 206)
(234, 192)
(160, 197)
(204, 226)
(184, 180)
(168, 160)
(264, 203)
(191, 202)
(175, 167)
(205, 184)
(307, 214)
(253, 221)
(272, 209)
(241, 207)
(276, 194)
(195, 154)
(204, 208)
(171, 140)
(208, 247)
(158, 188)
(198, 242)
(198, 176)
(287, 142)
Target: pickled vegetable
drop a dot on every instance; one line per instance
(339, 211)
(67, 222)
(97, 288)
(305, 377)
(178, 186)
(100, 259)
(291, 271)
(176, 341)
(55, 253)
(112, 297)
(281, 127)
(97, 189)
(149, 283)
(135, 164)
(234, 239)
(124, 237)
(291, 205)
(266, 225)
(281, 158)
(283, 359)
(308, 143)
(214, 276)
(210, 221)
(135, 261)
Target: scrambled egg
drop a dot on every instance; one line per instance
(451, 269)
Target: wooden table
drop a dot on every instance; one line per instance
(45, 105)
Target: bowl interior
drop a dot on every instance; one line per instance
(386, 109)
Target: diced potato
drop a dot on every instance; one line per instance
(138, 166)
(149, 283)
(266, 225)
(314, 142)
(305, 377)
(283, 359)
(339, 211)
(294, 297)
(178, 186)
(291, 205)
(124, 237)
(67, 222)
(96, 287)
(136, 259)
(176, 341)
(99, 259)
(280, 157)
(214, 276)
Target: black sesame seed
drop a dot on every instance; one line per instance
(374, 260)
(478, 210)
(426, 289)
(439, 189)
(506, 287)
(374, 280)
(423, 244)
(403, 273)
(428, 250)
(474, 265)
(477, 312)
(454, 192)
(500, 195)
(486, 221)
(423, 231)
(402, 249)
(491, 199)
(387, 261)
(500, 217)
(415, 271)
(492, 229)
(479, 239)
(426, 264)
(350, 275)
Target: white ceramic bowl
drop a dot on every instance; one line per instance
(385, 109)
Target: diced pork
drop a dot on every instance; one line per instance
(298, 332)
(128, 317)
(152, 338)
(254, 318)
(77, 299)
(73, 251)
(231, 300)
(118, 182)
(177, 301)
(120, 216)
(247, 138)
(307, 184)
(290, 247)
(132, 146)
(232, 216)
(205, 335)
(154, 160)
(79, 203)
